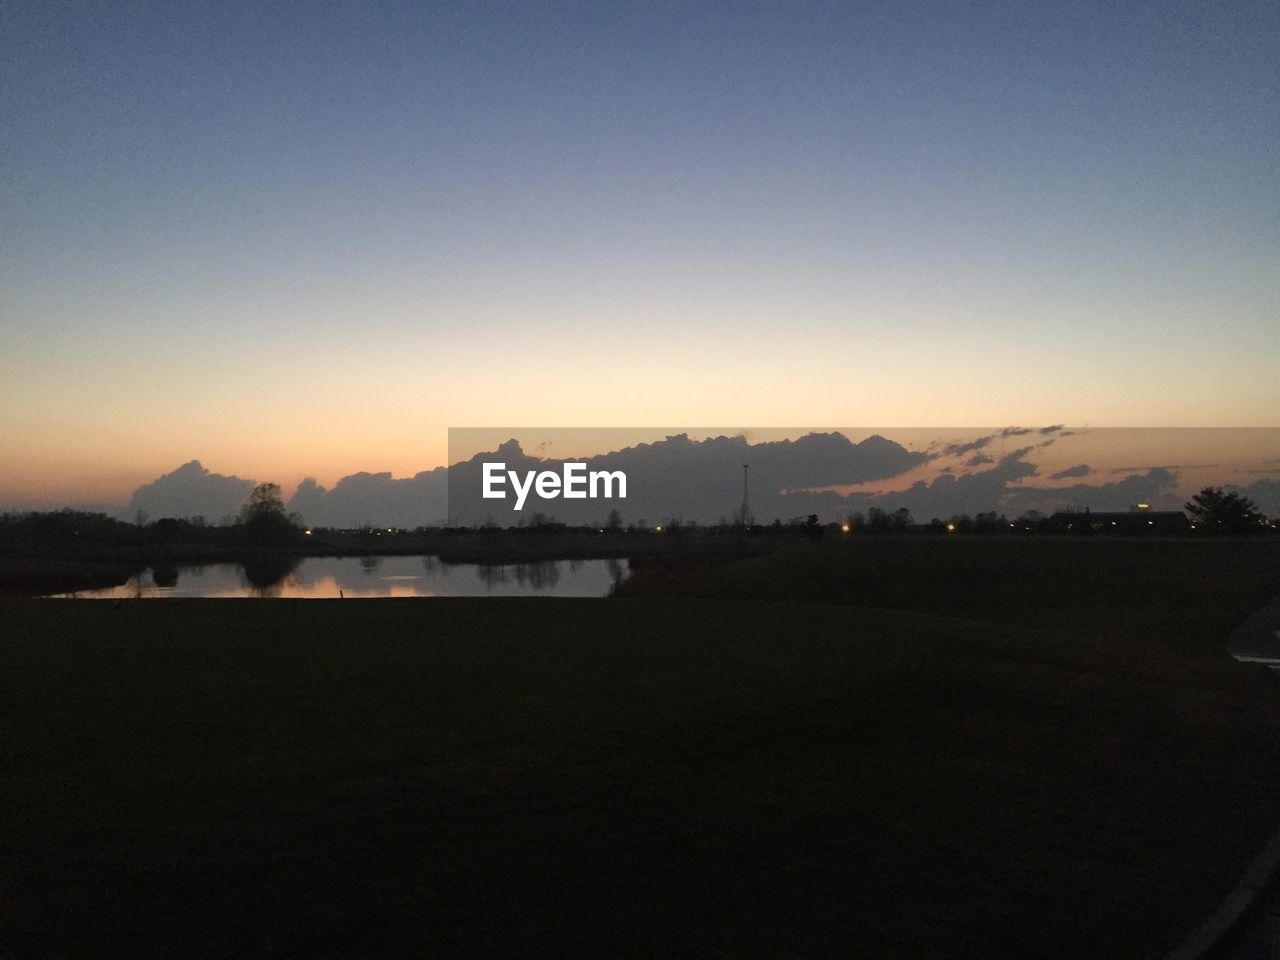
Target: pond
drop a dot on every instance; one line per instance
(325, 578)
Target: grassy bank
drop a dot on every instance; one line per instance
(1184, 594)
(37, 576)
(614, 778)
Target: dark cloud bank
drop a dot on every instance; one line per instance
(698, 480)
(190, 491)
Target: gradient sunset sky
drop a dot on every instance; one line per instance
(304, 239)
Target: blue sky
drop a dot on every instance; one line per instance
(286, 237)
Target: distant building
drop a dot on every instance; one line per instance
(1139, 519)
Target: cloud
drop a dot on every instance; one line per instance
(1165, 466)
(701, 480)
(1017, 455)
(674, 477)
(1003, 489)
(1079, 470)
(962, 447)
(191, 491)
(944, 496)
(1265, 493)
(374, 500)
(1156, 486)
(967, 446)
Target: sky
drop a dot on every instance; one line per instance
(304, 240)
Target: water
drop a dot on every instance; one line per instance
(331, 577)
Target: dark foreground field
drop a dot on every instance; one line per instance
(617, 778)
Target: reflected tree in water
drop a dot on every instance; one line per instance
(164, 576)
(435, 566)
(538, 575)
(370, 564)
(491, 574)
(617, 571)
(266, 575)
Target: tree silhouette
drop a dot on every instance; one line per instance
(264, 519)
(878, 521)
(1224, 512)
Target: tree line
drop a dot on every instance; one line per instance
(264, 521)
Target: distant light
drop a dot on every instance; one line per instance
(658, 528)
(1151, 523)
(951, 528)
(845, 528)
(307, 532)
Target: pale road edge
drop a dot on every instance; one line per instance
(1242, 902)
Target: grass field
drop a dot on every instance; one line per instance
(1184, 595)
(628, 778)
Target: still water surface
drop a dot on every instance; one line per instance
(331, 577)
